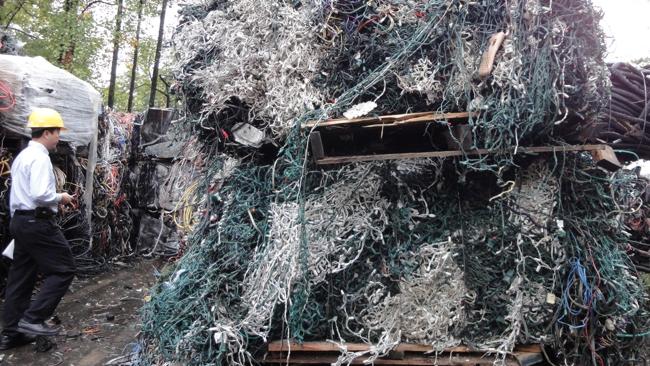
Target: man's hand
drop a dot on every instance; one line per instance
(66, 198)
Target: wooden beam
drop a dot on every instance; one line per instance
(606, 159)
(530, 358)
(487, 61)
(454, 153)
(392, 120)
(442, 360)
(284, 346)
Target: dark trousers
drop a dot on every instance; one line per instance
(40, 247)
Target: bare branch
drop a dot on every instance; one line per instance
(11, 19)
(23, 32)
(95, 2)
(164, 81)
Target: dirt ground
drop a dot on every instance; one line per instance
(99, 317)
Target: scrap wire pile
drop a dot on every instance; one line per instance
(112, 222)
(164, 191)
(5, 181)
(439, 252)
(384, 253)
(269, 63)
(638, 222)
(70, 176)
(7, 102)
(624, 122)
(178, 192)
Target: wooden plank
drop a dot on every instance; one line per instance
(529, 348)
(407, 121)
(280, 346)
(454, 153)
(441, 360)
(529, 359)
(283, 346)
(487, 61)
(394, 119)
(607, 159)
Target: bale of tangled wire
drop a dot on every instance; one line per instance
(623, 122)
(237, 64)
(488, 252)
(112, 224)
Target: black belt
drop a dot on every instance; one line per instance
(39, 212)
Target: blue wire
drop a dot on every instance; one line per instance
(577, 269)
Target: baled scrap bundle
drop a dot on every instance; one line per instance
(177, 196)
(623, 122)
(384, 253)
(106, 237)
(111, 218)
(37, 83)
(5, 179)
(638, 222)
(266, 64)
(481, 252)
(5, 183)
(116, 130)
(161, 185)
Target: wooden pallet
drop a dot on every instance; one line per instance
(603, 154)
(450, 130)
(325, 353)
(393, 120)
(399, 133)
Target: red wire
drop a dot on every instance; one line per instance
(7, 99)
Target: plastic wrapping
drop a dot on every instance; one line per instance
(37, 83)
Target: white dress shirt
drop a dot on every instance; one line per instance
(32, 180)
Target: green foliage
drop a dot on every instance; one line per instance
(77, 35)
(65, 33)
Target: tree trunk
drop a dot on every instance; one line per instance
(136, 49)
(66, 52)
(116, 51)
(154, 77)
(68, 56)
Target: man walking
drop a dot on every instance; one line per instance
(40, 246)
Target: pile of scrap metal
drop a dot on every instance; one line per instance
(160, 185)
(479, 245)
(136, 209)
(111, 215)
(33, 82)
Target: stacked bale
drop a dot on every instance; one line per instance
(489, 252)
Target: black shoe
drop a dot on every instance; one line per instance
(12, 341)
(36, 329)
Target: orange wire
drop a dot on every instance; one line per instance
(7, 98)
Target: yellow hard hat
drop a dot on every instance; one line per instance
(45, 118)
